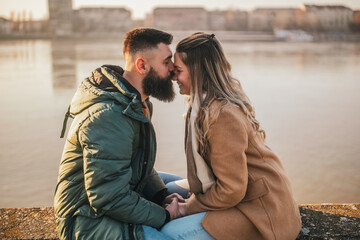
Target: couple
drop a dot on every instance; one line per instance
(107, 186)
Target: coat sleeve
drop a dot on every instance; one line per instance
(228, 140)
(155, 189)
(107, 139)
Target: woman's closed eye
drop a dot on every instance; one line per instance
(177, 70)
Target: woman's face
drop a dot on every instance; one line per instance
(182, 75)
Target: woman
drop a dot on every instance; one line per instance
(240, 189)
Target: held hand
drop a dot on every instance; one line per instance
(182, 209)
(169, 198)
(173, 209)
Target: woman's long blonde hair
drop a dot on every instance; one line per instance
(211, 78)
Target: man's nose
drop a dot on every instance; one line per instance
(171, 66)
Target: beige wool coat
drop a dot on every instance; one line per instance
(251, 197)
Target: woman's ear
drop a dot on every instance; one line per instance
(140, 65)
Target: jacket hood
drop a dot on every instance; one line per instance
(104, 84)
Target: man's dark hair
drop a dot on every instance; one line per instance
(143, 38)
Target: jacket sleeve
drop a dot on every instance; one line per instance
(107, 139)
(228, 140)
(155, 189)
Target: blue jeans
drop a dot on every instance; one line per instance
(188, 227)
(153, 234)
(169, 180)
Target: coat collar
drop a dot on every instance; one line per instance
(105, 84)
(134, 107)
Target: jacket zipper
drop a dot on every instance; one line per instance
(143, 171)
(131, 231)
(147, 151)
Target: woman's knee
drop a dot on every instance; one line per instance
(168, 177)
(151, 234)
(188, 227)
(173, 187)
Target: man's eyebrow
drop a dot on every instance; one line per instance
(168, 57)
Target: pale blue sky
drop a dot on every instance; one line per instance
(140, 8)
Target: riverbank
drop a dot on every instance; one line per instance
(226, 36)
(319, 221)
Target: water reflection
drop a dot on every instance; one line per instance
(63, 57)
(22, 54)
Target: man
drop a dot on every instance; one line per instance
(107, 187)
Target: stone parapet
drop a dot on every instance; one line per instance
(320, 221)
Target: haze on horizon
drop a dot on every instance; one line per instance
(139, 8)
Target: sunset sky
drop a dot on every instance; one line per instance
(140, 8)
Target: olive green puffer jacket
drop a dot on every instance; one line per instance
(106, 172)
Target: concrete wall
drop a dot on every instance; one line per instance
(320, 221)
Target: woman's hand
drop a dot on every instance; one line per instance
(182, 209)
(169, 199)
(175, 207)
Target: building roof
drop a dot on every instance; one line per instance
(178, 8)
(2, 19)
(275, 9)
(320, 7)
(103, 8)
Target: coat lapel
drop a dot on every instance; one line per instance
(194, 182)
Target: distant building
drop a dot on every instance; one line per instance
(328, 17)
(149, 20)
(217, 20)
(60, 17)
(232, 20)
(236, 20)
(138, 23)
(180, 18)
(355, 22)
(267, 19)
(110, 19)
(5, 26)
(37, 26)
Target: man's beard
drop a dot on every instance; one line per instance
(158, 87)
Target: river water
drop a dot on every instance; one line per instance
(306, 96)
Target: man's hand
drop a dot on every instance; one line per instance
(169, 199)
(173, 209)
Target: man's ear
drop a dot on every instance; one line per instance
(141, 66)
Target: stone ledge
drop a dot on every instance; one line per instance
(320, 221)
(27, 223)
(330, 221)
